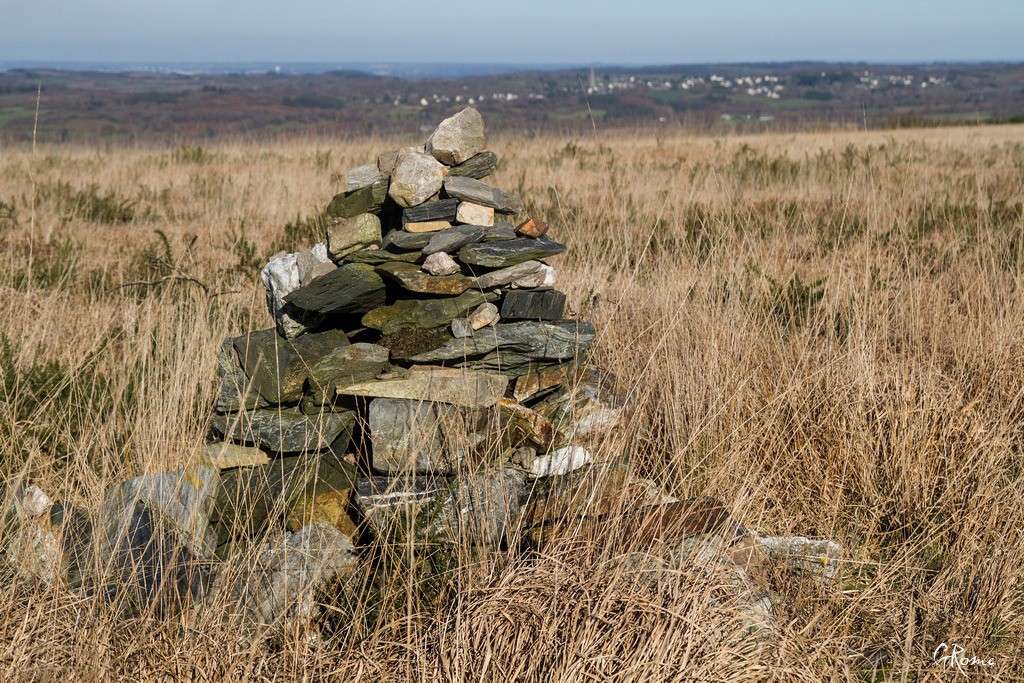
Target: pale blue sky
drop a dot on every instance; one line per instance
(518, 31)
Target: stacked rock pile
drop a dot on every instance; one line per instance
(422, 377)
(424, 339)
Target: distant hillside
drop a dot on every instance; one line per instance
(259, 99)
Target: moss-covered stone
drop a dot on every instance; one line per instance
(364, 200)
(276, 367)
(411, 278)
(424, 313)
(346, 235)
(352, 289)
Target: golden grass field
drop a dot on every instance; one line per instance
(823, 330)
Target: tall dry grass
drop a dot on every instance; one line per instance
(822, 330)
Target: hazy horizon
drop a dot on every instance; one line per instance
(568, 33)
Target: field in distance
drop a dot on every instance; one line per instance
(823, 330)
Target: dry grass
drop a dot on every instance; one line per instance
(826, 331)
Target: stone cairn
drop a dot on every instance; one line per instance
(422, 381)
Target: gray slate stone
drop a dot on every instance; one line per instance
(504, 276)
(277, 368)
(423, 313)
(375, 257)
(509, 252)
(294, 489)
(285, 430)
(426, 437)
(452, 239)
(154, 535)
(352, 289)
(472, 190)
(533, 305)
(461, 328)
(366, 200)
(501, 231)
(480, 508)
(406, 435)
(345, 365)
(478, 166)
(235, 392)
(440, 210)
(281, 585)
(407, 241)
(512, 347)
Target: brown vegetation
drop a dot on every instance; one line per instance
(823, 331)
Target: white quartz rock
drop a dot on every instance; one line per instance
(560, 461)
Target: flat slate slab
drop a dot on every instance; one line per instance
(509, 252)
(440, 210)
(457, 386)
(520, 304)
(277, 368)
(368, 199)
(478, 166)
(472, 190)
(424, 313)
(347, 364)
(410, 278)
(407, 241)
(235, 392)
(285, 430)
(513, 348)
(352, 289)
(375, 257)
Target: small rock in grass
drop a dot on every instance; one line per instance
(816, 556)
(281, 584)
